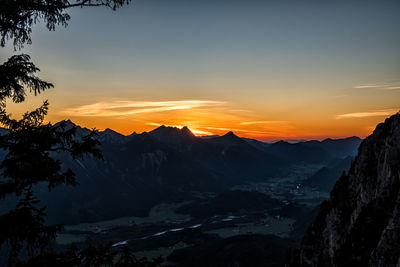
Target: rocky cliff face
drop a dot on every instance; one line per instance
(360, 224)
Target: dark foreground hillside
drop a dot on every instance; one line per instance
(244, 250)
(360, 224)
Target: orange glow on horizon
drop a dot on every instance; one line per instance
(214, 117)
(258, 133)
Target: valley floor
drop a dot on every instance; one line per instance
(165, 231)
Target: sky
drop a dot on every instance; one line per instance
(268, 70)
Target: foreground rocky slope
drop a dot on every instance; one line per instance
(360, 224)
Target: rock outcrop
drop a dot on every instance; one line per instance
(360, 224)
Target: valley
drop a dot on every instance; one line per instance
(269, 208)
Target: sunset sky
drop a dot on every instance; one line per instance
(264, 69)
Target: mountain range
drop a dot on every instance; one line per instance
(170, 164)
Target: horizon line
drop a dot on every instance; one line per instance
(217, 135)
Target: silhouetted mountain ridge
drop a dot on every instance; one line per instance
(166, 164)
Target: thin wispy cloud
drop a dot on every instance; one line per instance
(123, 108)
(376, 113)
(380, 86)
(365, 86)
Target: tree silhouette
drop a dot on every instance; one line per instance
(16, 75)
(30, 145)
(18, 16)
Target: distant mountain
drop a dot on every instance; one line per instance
(300, 153)
(315, 152)
(173, 136)
(263, 146)
(338, 148)
(132, 178)
(166, 164)
(255, 143)
(228, 139)
(110, 136)
(325, 178)
(237, 158)
(360, 224)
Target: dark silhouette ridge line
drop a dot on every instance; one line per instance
(230, 134)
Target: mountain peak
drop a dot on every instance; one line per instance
(163, 130)
(68, 124)
(230, 134)
(108, 130)
(351, 138)
(186, 131)
(172, 136)
(171, 130)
